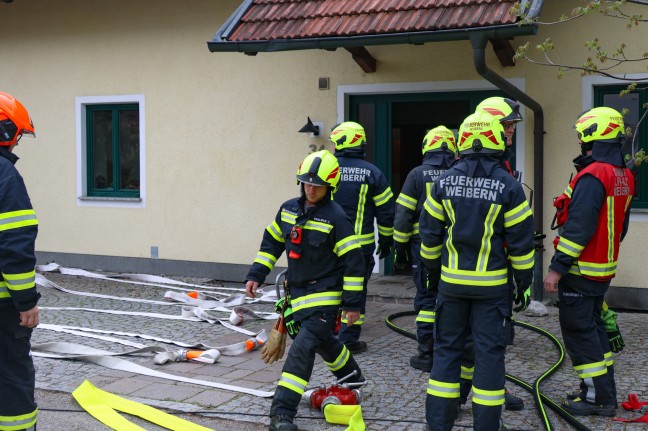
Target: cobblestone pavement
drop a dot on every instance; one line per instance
(394, 397)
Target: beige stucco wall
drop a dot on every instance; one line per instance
(221, 141)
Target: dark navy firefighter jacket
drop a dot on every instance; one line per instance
(326, 264)
(474, 209)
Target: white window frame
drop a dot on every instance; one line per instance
(81, 146)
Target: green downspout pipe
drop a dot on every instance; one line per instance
(479, 42)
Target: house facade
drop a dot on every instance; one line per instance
(155, 154)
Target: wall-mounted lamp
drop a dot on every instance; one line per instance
(312, 128)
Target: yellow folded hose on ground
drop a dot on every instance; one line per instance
(345, 415)
(105, 406)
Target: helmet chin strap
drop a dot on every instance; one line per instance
(585, 147)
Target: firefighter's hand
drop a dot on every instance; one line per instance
(251, 288)
(616, 341)
(401, 256)
(29, 318)
(522, 298)
(350, 316)
(384, 248)
(551, 281)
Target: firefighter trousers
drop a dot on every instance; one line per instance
(587, 344)
(314, 336)
(424, 303)
(488, 320)
(468, 361)
(18, 408)
(351, 334)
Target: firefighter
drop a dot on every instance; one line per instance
(507, 111)
(439, 154)
(364, 194)
(593, 215)
(18, 295)
(473, 209)
(325, 271)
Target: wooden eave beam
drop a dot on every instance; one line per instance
(364, 58)
(504, 51)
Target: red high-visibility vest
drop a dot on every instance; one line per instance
(598, 258)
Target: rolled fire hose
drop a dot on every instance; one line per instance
(105, 406)
(107, 359)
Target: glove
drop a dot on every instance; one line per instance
(432, 280)
(401, 256)
(384, 248)
(522, 298)
(615, 339)
(274, 348)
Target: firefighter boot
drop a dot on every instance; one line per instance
(282, 423)
(511, 402)
(578, 407)
(356, 347)
(421, 362)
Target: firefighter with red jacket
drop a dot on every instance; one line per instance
(439, 154)
(593, 214)
(18, 296)
(325, 272)
(473, 209)
(363, 194)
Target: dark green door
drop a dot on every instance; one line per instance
(395, 125)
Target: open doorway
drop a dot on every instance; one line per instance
(395, 125)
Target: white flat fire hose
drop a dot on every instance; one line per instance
(231, 350)
(190, 315)
(149, 280)
(107, 359)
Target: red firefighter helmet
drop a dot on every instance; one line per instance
(14, 120)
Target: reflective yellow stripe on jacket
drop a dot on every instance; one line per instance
(17, 219)
(23, 281)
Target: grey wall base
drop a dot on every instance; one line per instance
(627, 298)
(218, 271)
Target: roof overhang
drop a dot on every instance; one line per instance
(221, 43)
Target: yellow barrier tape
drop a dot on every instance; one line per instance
(103, 406)
(345, 415)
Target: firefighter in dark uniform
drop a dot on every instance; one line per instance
(593, 213)
(439, 154)
(325, 272)
(473, 209)
(364, 194)
(507, 111)
(18, 296)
